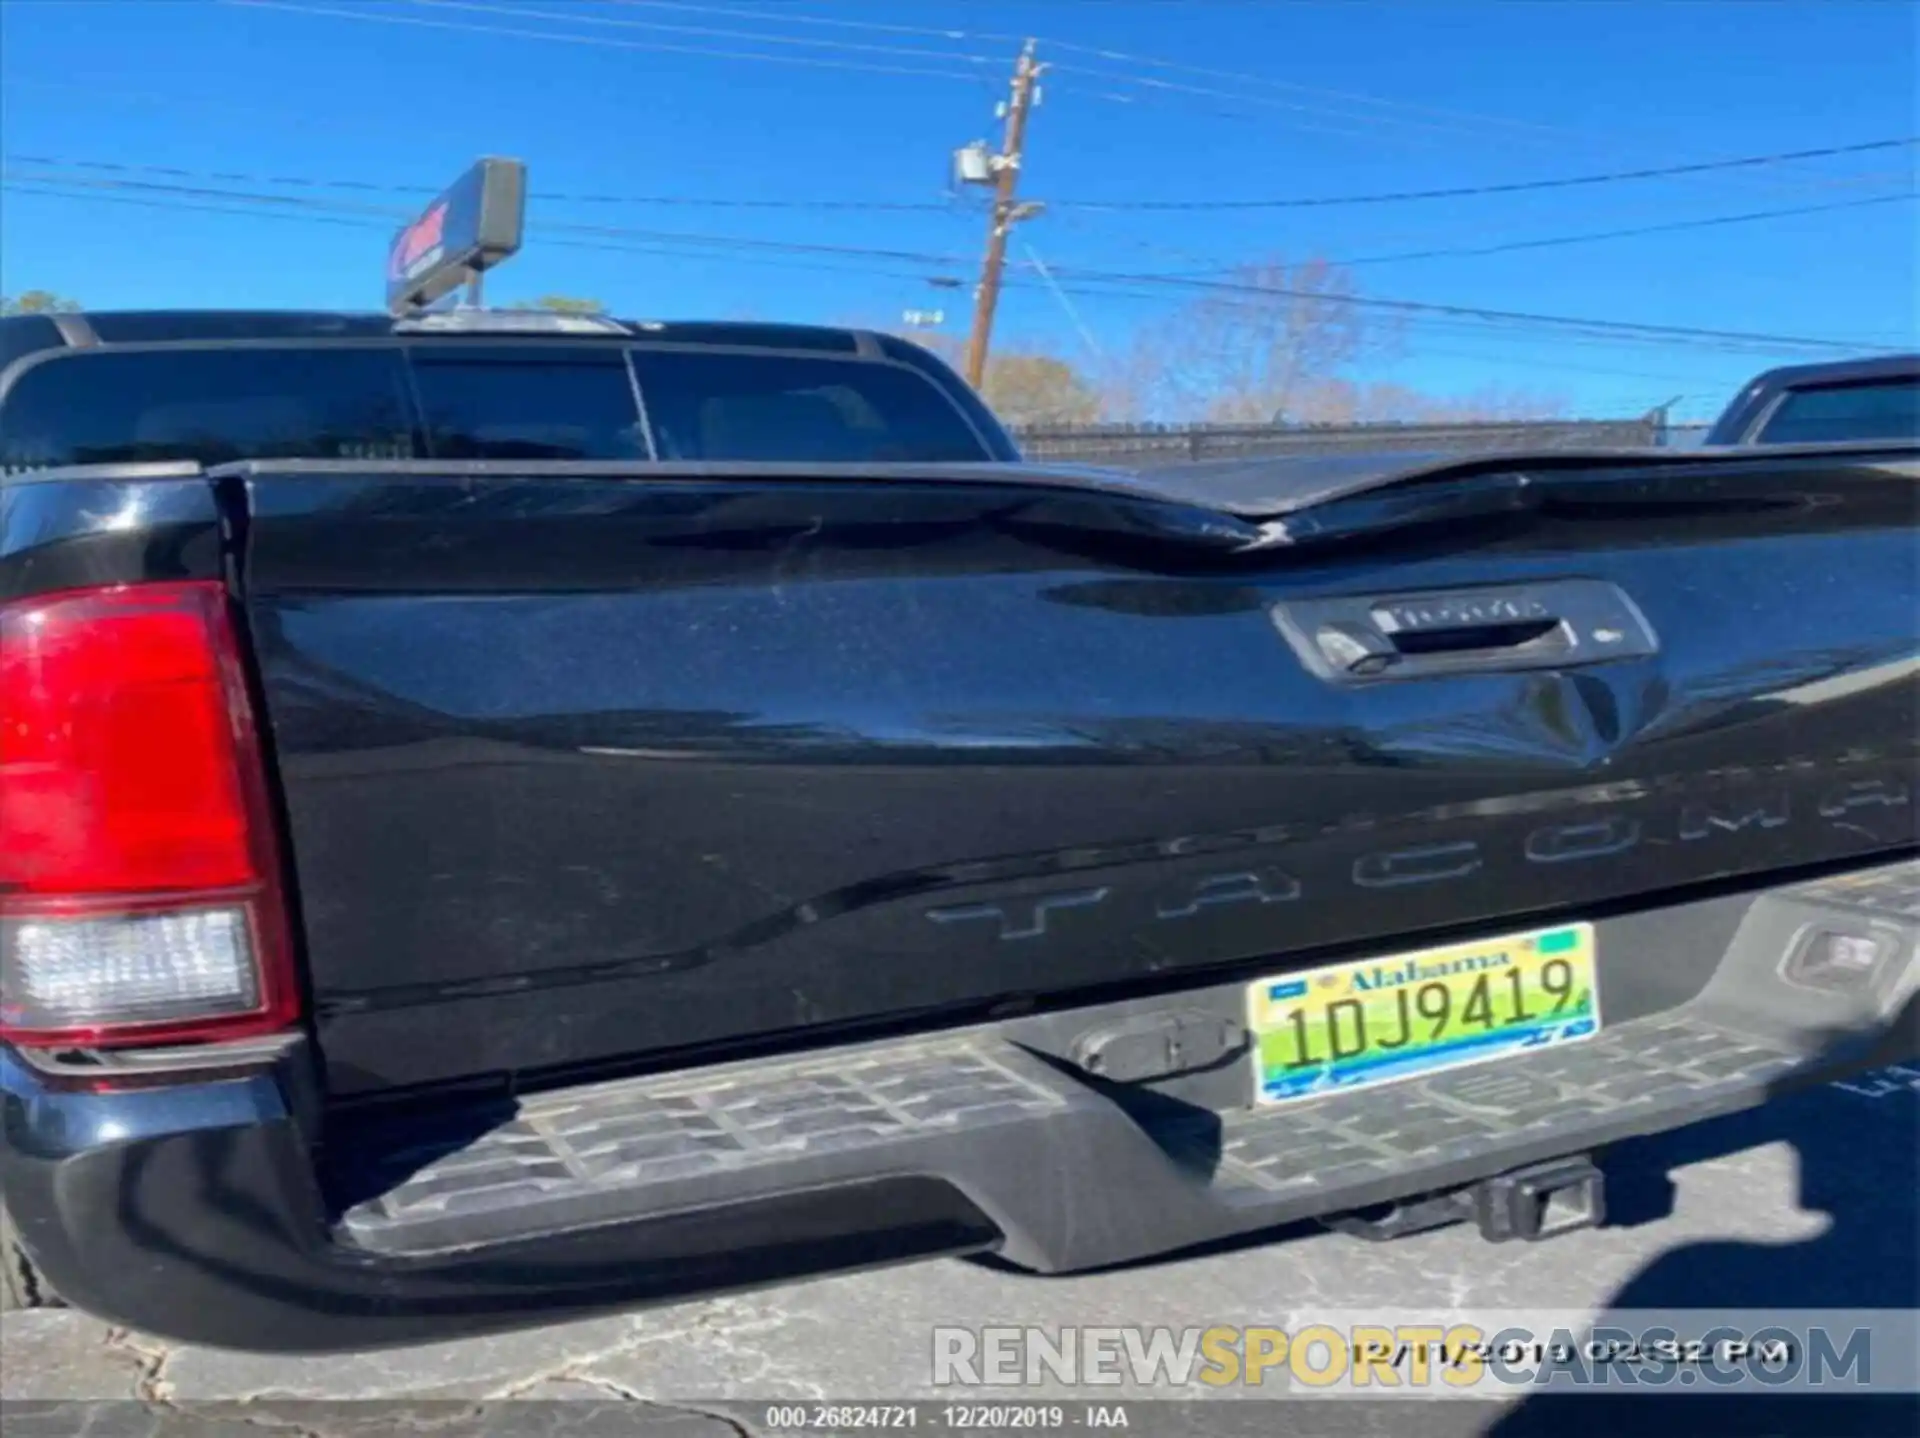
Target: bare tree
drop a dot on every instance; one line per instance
(1393, 403)
(1276, 343)
(1273, 344)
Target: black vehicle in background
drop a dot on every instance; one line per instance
(1865, 399)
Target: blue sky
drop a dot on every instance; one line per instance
(1301, 100)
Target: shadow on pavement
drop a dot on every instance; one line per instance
(1856, 1153)
(1859, 1165)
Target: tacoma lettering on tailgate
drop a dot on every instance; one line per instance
(1030, 916)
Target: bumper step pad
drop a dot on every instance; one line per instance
(1475, 1113)
(634, 1137)
(643, 1147)
(1074, 1179)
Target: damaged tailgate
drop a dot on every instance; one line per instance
(590, 765)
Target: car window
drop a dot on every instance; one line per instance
(214, 406)
(793, 407)
(545, 402)
(1886, 410)
(23, 334)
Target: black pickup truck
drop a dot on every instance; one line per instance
(1873, 398)
(500, 821)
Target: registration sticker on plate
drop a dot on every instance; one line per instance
(1371, 1021)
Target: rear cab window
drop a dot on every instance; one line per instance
(474, 401)
(210, 405)
(742, 406)
(558, 402)
(1878, 409)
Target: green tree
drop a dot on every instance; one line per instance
(569, 305)
(37, 302)
(1026, 388)
(1023, 386)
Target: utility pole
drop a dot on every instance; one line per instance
(1004, 172)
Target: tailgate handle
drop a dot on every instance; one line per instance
(1551, 624)
(1456, 639)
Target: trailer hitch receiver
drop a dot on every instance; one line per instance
(1541, 1201)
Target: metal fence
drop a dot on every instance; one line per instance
(1171, 444)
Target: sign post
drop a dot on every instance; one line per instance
(472, 226)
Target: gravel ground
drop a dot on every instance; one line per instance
(1808, 1203)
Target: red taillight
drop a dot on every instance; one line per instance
(139, 887)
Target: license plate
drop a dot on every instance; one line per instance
(1374, 1021)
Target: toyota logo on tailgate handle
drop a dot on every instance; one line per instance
(1551, 624)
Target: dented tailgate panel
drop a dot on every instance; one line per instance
(603, 770)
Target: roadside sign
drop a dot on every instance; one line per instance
(472, 226)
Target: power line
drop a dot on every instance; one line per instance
(1635, 232)
(1560, 340)
(387, 213)
(1495, 126)
(34, 186)
(1179, 87)
(1093, 285)
(946, 260)
(390, 215)
(1510, 128)
(1457, 192)
(1554, 365)
(871, 26)
(797, 247)
(1093, 51)
(929, 207)
(1505, 126)
(1151, 98)
(1589, 237)
(603, 41)
(973, 77)
(763, 37)
(1425, 351)
(711, 32)
(1205, 265)
(418, 191)
(54, 190)
(1345, 96)
(1429, 307)
(1148, 84)
(1497, 325)
(1622, 328)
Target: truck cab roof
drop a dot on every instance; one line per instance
(23, 334)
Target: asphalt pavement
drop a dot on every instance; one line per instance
(1807, 1203)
